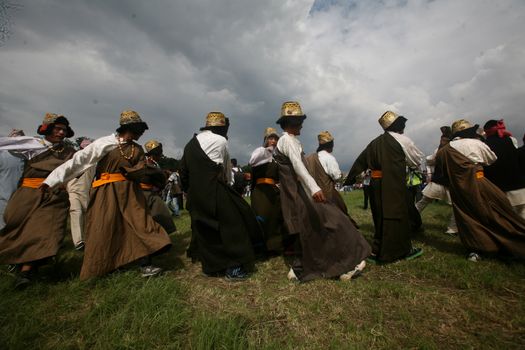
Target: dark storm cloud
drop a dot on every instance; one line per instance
(345, 61)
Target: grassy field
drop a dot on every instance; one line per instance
(438, 301)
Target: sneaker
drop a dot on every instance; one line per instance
(354, 273)
(372, 259)
(292, 276)
(414, 253)
(80, 245)
(474, 257)
(236, 274)
(23, 280)
(150, 271)
(451, 232)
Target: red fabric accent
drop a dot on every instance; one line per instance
(42, 128)
(498, 129)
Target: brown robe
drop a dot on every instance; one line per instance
(330, 244)
(486, 221)
(35, 220)
(119, 226)
(326, 183)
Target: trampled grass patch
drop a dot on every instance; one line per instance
(437, 301)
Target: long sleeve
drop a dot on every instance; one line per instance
(360, 165)
(475, 150)
(261, 155)
(413, 155)
(24, 146)
(292, 149)
(82, 160)
(330, 165)
(227, 164)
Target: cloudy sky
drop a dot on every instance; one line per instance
(346, 62)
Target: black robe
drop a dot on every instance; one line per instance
(505, 172)
(266, 204)
(388, 196)
(154, 176)
(223, 224)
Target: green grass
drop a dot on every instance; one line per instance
(438, 301)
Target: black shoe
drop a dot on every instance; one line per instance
(80, 245)
(23, 280)
(236, 274)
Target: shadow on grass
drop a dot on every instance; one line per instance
(443, 243)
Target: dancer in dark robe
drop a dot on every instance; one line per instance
(153, 183)
(36, 221)
(223, 225)
(324, 168)
(387, 156)
(486, 221)
(506, 171)
(265, 199)
(119, 226)
(327, 244)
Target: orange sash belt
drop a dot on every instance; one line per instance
(32, 182)
(376, 174)
(265, 180)
(106, 178)
(146, 187)
(480, 174)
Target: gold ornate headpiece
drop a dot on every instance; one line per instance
(50, 118)
(129, 117)
(151, 144)
(291, 109)
(387, 119)
(460, 125)
(215, 119)
(324, 137)
(270, 132)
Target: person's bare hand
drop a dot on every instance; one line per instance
(319, 197)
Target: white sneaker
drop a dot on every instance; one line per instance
(150, 271)
(292, 276)
(354, 273)
(474, 257)
(451, 232)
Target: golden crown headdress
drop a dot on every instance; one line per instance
(324, 137)
(50, 118)
(291, 109)
(387, 119)
(151, 144)
(460, 125)
(129, 117)
(215, 119)
(270, 132)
